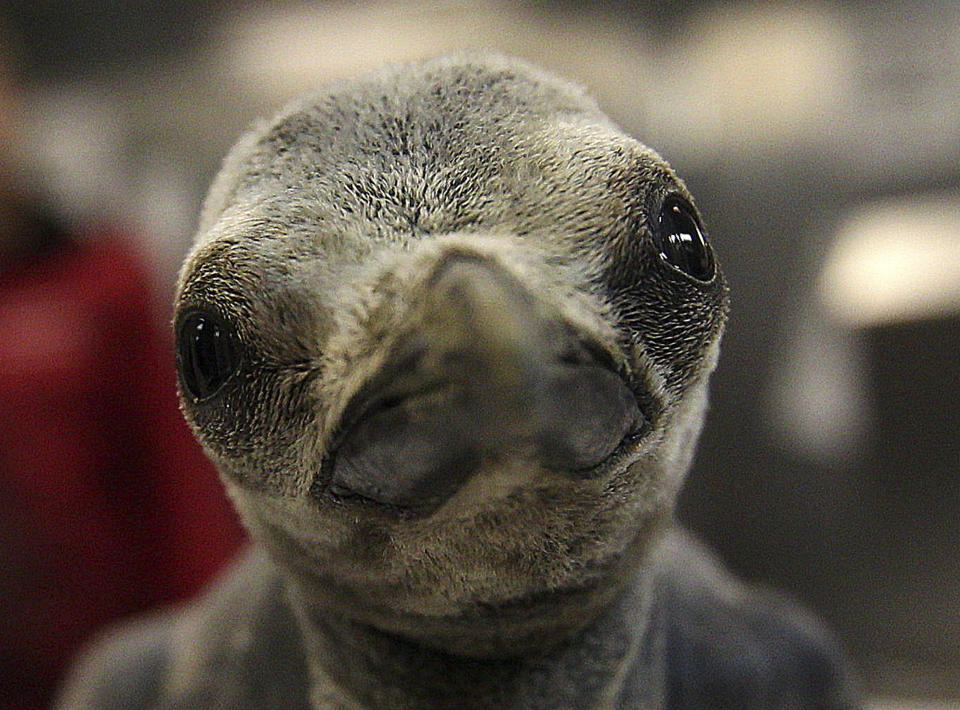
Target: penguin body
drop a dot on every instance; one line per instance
(707, 642)
(446, 332)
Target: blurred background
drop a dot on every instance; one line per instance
(822, 141)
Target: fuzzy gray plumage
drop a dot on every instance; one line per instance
(461, 387)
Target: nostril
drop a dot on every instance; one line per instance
(582, 350)
(408, 357)
(391, 402)
(571, 358)
(600, 355)
(341, 491)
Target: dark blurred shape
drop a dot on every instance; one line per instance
(915, 378)
(911, 490)
(107, 504)
(68, 39)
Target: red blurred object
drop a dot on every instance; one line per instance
(107, 504)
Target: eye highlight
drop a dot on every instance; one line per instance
(681, 241)
(207, 353)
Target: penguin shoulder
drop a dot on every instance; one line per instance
(730, 644)
(236, 646)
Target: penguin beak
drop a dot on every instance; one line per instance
(487, 372)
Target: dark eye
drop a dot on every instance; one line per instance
(207, 353)
(681, 241)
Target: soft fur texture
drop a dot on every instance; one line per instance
(428, 273)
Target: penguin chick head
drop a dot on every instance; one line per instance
(446, 332)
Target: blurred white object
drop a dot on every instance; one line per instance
(820, 406)
(895, 261)
(890, 262)
(275, 53)
(746, 79)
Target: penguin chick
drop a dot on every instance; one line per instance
(446, 332)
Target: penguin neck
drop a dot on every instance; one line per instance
(354, 665)
(580, 647)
